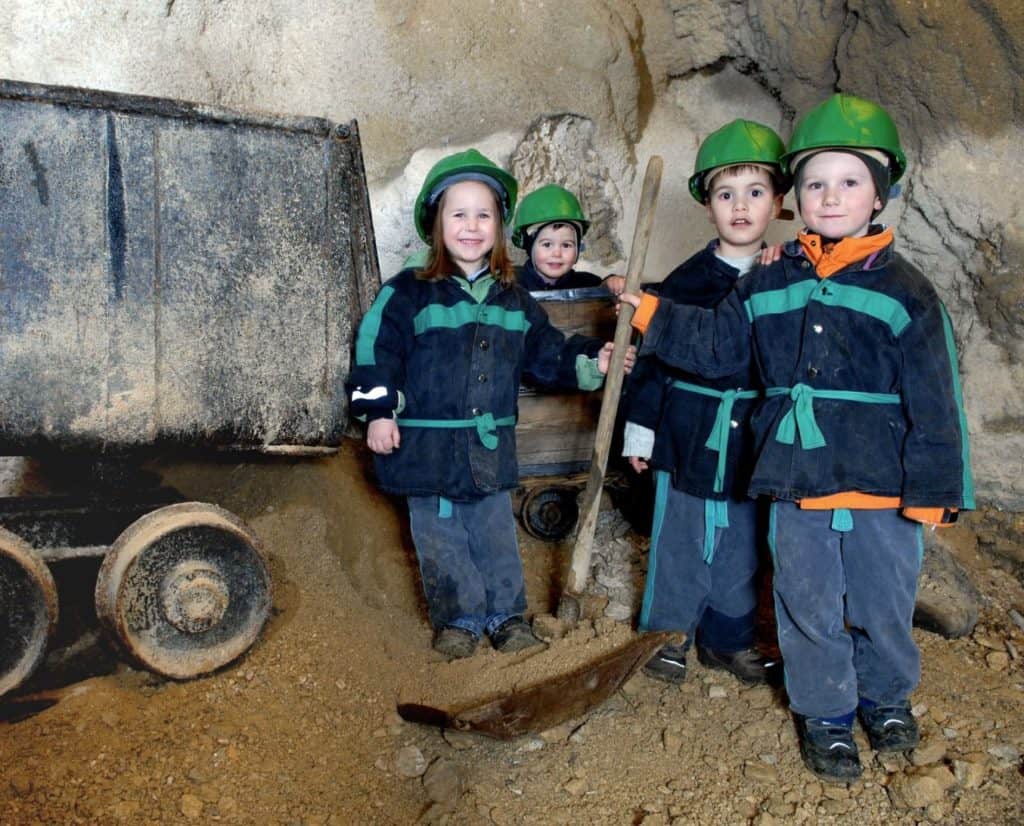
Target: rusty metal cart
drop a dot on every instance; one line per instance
(172, 276)
(555, 431)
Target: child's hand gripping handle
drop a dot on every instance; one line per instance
(576, 581)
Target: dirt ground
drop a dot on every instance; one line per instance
(303, 729)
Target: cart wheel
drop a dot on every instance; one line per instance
(184, 589)
(28, 610)
(550, 513)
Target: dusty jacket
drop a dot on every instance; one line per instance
(876, 329)
(455, 356)
(683, 419)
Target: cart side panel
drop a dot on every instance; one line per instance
(175, 273)
(555, 431)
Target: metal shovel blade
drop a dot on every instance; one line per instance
(550, 702)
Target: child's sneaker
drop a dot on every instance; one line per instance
(749, 665)
(828, 749)
(668, 664)
(514, 634)
(455, 643)
(889, 728)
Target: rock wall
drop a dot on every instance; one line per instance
(584, 92)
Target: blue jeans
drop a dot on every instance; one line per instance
(682, 590)
(844, 603)
(469, 561)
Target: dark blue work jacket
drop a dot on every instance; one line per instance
(530, 279)
(860, 375)
(684, 419)
(457, 362)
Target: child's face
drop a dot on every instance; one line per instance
(554, 252)
(837, 195)
(469, 224)
(741, 205)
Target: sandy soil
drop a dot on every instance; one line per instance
(303, 729)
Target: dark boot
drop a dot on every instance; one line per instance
(668, 664)
(889, 728)
(828, 749)
(455, 643)
(749, 665)
(512, 635)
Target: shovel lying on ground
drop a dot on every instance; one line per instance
(553, 700)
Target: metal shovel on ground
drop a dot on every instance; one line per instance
(553, 700)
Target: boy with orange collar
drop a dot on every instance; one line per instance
(861, 436)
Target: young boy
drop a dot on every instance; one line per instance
(703, 561)
(549, 226)
(861, 436)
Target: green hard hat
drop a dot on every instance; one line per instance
(738, 142)
(544, 206)
(849, 122)
(470, 165)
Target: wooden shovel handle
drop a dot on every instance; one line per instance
(579, 570)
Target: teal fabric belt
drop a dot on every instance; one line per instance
(718, 440)
(800, 417)
(486, 426)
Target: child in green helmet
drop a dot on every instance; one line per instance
(549, 226)
(861, 437)
(693, 431)
(438, 362)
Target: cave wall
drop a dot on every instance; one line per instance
(584, 92)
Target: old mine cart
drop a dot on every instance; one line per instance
(171, 276)
(555, 431)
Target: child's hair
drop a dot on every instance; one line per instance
(439, 263)
(778, 180)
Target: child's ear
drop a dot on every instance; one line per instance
(711, 215)
(778, 206)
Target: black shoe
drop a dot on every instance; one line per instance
(668, 664)
(455, 643)
(828, 749)
(512, 635)
(889, 728)
(749, 665)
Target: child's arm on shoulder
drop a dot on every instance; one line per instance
(712, 343)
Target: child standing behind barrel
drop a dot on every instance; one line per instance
(439, 357)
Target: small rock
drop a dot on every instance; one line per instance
(442, 782)
(768, 757)
(997, 660)
(781, 809)
(227, 805)
(765, 819)
(672, 741)
(533, 744)
(836, 792)
(191, 806)
(969, 773)
(558, 734)
(942, 774)
(1006, 755)
(459, 740)
(950, 733)
(576, 786)
(928, 752)
(838, 807)
(914, 792)
(760, 773)
(717, 692)
(937, 812)
(410, 762)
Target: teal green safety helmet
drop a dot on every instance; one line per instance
(738, 142)
(847, 122)
(547, 205)
(462, 166)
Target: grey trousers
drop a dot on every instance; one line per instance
(844, 603)
(469, 560)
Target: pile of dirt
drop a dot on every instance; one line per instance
(303, 728)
